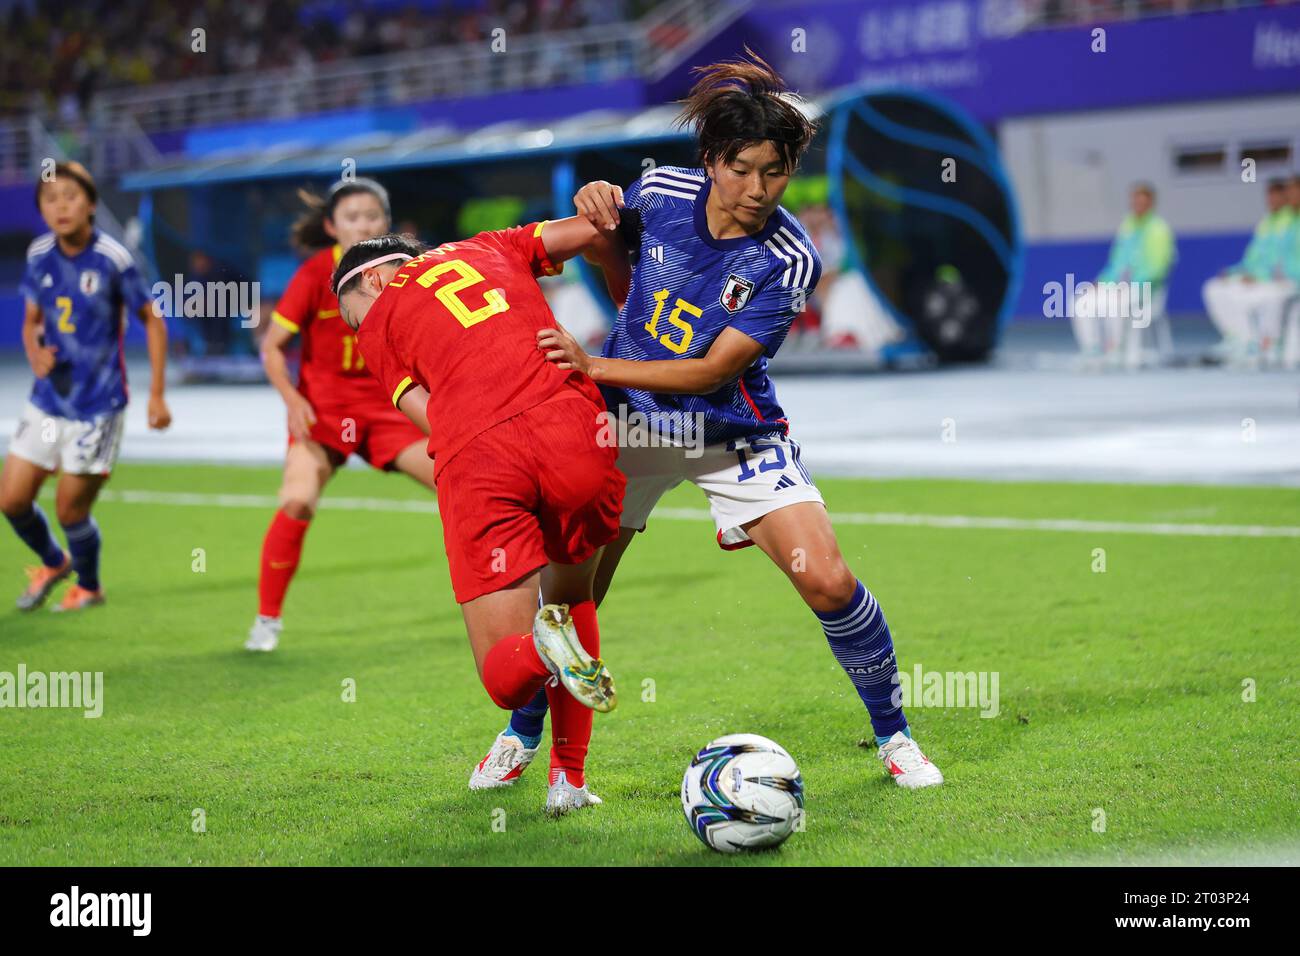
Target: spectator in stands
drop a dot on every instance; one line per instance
(1132, 284)
(1245, 300)
(55, 57)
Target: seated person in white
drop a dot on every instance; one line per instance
(1132, 281)
(1245, 301)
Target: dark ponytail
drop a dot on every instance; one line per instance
(739, 103)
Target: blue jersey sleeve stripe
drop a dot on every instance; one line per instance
(804, 275)
(115, 251)
(670, 175)
(796, 260)
(40, 245)
(658, 183)
(664, 191)
(777, 245)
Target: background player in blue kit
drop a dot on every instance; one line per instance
(721, 271)
(78, 286)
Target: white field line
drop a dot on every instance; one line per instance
(335, 502)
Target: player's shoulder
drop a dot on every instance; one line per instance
(316, 272)
(40, 247)
(113, 251)
(791, 250)
(322, 261)
(488, 239)
(670, 184)
(511, 248)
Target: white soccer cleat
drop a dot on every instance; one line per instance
(503, 765)
(585, 677)
(563, 797)
(264, 635)
(910, 768)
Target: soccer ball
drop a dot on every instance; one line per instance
(742, 792)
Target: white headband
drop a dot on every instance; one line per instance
(370, 265)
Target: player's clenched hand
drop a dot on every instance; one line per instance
(42, 359)
(563, 349)
(599, 202)
(301, 417)
(160, 416)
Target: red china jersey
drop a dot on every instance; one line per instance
(461, 320)
(333, 374)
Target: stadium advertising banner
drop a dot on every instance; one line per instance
(979, 53)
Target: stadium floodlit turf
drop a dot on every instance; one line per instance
(1122, 733)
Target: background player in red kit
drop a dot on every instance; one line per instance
(337, 408)
(527, 494)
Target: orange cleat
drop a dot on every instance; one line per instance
(78, 598)
(40, 582)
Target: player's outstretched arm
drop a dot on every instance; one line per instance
(301, 415)
(730, 354)
(155, 332)
(577, 235)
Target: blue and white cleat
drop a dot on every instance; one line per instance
(585, 677)
(504, 764)
(563, 797)
(910, 768)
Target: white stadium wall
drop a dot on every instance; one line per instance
(1071, 172)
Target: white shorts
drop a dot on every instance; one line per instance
(742, 480)
(67, 444)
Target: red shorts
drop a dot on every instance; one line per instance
(376, 431)
(533, 489)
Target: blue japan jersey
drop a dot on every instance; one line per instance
(82, 300)
(688, 286)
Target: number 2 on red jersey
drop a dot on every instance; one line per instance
(449, 292)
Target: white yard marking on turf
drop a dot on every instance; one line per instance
(204, 500)
(126, 496)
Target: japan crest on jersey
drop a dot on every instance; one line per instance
(89, 282)
(735, 293)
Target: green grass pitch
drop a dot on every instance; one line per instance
(1121, 692)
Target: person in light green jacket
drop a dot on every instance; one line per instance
(1132, 281)
(1288, 250)
(1245, 301)
(1288, 352)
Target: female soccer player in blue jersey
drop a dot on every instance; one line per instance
(721, 271)
(79, 284)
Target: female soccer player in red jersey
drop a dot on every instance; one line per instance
(528, 494)
(337, 408)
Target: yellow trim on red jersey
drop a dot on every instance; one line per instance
(279, 319)
(546, 269)
(337, 253)
(327, 313)
(402, 386)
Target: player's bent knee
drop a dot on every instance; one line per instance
(71, 513)
(298, 508)
(829, 589)
(12, 507)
